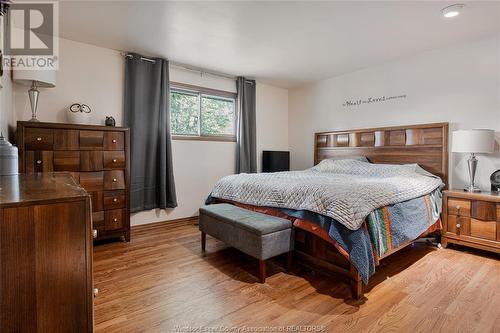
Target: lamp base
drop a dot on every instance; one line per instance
(472, 189)
(33, 95)
(472, 163)
(34, 120)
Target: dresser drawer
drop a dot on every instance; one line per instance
(114, 199)
(114, 140)
(66, 139)
(91, 140)
(39, 161)
(114, 160)
(38, 139)
(113, 219)
(114, 180)
(459, 207)
(91, 160)
(483, 229)
(458, 225)
(66, 160)
(98, 220)
(97, 201)
(92, 181)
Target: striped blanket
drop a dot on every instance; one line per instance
(392, 226)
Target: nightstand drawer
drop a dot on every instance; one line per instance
(458, 225)
(484, 210)
(459, 207)
(483, 229)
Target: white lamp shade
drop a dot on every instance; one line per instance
(473, 141)
(43, 78)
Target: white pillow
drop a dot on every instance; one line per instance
(332, 164)
(349, 157)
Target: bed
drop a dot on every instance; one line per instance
(332, 242)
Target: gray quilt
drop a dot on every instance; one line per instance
(346, 190)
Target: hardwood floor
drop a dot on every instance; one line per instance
(161, 282)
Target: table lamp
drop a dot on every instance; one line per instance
(35, 79)
(474, 141)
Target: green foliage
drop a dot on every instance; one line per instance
(217, 114)
(184, 113)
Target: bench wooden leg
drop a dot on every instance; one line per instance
(203, 241)
(290, 261)
(262, 271)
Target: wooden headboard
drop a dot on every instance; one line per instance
(425, 144)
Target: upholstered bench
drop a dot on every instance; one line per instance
(258, 235)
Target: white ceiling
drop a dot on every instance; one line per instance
(286, 43)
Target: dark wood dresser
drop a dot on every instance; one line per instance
(45, 254)
(96, 156)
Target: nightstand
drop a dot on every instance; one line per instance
(471, 219)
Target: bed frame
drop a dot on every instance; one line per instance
(425, 144)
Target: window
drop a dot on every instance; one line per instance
(202, 114)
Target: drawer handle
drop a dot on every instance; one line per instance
(114, 140)
(94, 233)
(39, 139)
(458, 226)
(115, 199)
(115, 220)
(114, 179)
(114, 160)
(39, 162)
(96, 292)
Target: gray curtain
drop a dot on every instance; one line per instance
(246, 147)
(146, 112)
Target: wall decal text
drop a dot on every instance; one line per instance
(370, 100)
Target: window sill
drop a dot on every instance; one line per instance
(204, 138)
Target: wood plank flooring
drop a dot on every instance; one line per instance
(161, 282)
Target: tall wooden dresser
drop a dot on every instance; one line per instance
(45, 254)
(97, 157)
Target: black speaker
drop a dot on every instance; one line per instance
(274, 161)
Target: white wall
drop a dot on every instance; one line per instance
(272, 120)
(459, 85)
(6, 109)
(95, 76)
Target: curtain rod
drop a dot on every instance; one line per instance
(188, 68)
(201, 71)
(126, 55)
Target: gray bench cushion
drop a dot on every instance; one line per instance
(256, 234)
(256, 223)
